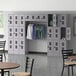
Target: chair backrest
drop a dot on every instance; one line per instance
(29, 65)
(1, 57)
(66, 53)
(2, 48)
(2, 45)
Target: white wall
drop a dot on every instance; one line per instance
(35, 5)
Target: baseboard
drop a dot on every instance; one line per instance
(33, 52)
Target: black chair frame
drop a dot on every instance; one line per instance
(27, 65)
(1, 59)
(2, 45)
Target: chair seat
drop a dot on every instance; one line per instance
(1, 49)
(70, 63)
(21, 74)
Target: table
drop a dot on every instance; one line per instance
(7, 65)
(72, 58)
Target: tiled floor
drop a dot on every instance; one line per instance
(43, 66)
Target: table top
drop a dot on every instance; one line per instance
(8, 65)
(72, 57)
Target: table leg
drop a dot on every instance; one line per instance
(2, 72)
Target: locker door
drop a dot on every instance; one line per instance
(63, 20)
(56, 48)
(10, 20)
(21, 32)
(16, 46)
(16, 20)
(63, 44)
(21, 46)
(43, 17)
(16, 32)
(28, 17)
(50, 48)
(50, 33)
(68, 33)
(54, 20)
(22, 21)
(10, 32)
(10, 46)
(56, 33)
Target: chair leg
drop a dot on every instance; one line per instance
(72, 70)
(68, 70)
(62, 71)
(4, 56)
(8, 73)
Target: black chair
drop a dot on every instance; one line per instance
(2, 48)
(28, 68)
(66, 62)
(1, 60)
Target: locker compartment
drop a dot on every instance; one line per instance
(50, 33)
(56, 48)
(63, 32)
(50, 48)
(10, 46)
(22, 20)
(55, 20)
(56, 33)
(10, 19)
(16, 20)
(50, 20)
(50, 30)
(50, 43)
(63, 20)
(21, 46)
(16, 32)
(43, 18)
(16, 46)
(21, 32)
(63, 44)
(10, 32)
(68, 33)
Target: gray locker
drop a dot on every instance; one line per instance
(50, 32)
(10, 32)
(54, 34)
(21, 32)
(16, 34)
(10, 46)
(10, 20)
(36, 17)
(16, 20)
(50, 48)
(63, 20)
(68, 33)
(22, 20)
(63, 44)
(56, 48)
(21, 46)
